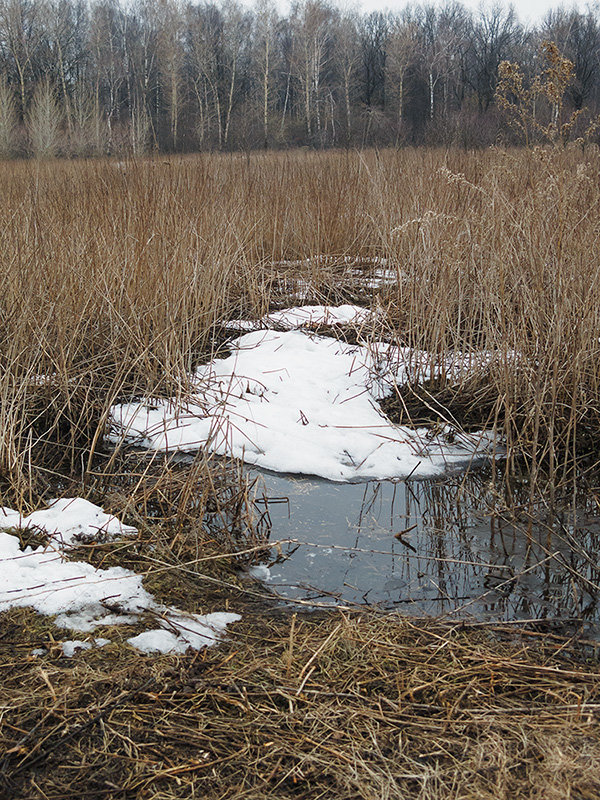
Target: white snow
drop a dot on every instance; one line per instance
(300, 403)
(156, 641)
(80, 596)
(306, 316)
(72, 520)
(260, 571)
(72, 645)
(69, 647)
(181, 632)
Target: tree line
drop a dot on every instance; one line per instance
(99, 77)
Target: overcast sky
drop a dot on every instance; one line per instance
(528, 12)
(531, 11)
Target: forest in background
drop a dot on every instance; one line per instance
(104, 78)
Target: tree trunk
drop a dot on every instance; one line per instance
(266, 97)
(347, 98)
(431, 88)
(174, 107)
(285, 101)
(63, 84)
(307, 96)
(230, 100)
(400, 97)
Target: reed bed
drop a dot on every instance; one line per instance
(117, 278)
(117, 275)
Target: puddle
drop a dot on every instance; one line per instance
(425, 547)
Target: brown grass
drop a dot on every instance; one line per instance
(502, 256)
(116, 277)
(305, 707)
(115, 280)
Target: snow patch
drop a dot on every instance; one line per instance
(260, 571)
(70, 647)
(156, 641)
(78, 595)
(71, 520)
(180, 632)
(306, 316)
(300, 403)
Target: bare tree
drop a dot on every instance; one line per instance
(373, 42)
(402, 52)
(266, 24)
(107, 26)
(494, 35)
(347, 59)
(577, 36)
(236, 52)
(44, 122)
(205, 45)
(171, 58)
(443, 30)
(173, 74)
(8, 120)
(87, 133)
(20, 36)
(313, 21)
(62, 48)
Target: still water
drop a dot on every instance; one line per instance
(433, 547)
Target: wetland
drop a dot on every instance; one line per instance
(402, 580)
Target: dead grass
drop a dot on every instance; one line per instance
(116, 278)
(117, 275)
(305, 707)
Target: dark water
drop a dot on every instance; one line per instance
(442, 548)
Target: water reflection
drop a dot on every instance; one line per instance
(442, 548)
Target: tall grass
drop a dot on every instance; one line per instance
(500, 253)
(115, 277)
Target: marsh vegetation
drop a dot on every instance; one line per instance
(120, 279)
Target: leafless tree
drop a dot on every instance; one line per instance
(8, 120)
(44, 121)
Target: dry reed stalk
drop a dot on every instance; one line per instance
(115, 280)
(360, 707)
(117, 275)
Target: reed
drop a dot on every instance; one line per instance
(351, 706)
(115, 280)
(116, 276)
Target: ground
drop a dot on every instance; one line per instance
(306, 706)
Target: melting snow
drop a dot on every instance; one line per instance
(305, 316)
(72, 645)
(80, 596)
(72, 520)
(185, 631)
(260, 571)
(296, 402)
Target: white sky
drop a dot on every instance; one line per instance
(531, 11)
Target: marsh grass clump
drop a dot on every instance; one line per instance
(502, 260)
(197, 529)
